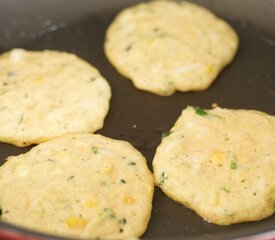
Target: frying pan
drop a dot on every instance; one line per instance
(79, 27)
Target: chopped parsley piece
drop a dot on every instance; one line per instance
(231, 215)
(165, 134)
(163, 178)
(103, 184)
(109, 212)
(243, 181)
(21, 119)
(1, 211)
(200, 111)
(226, 190)
(233, 165)
(70, 178)
(95, 149)
(10, 73)
(122, 181)
(122, 221)
(128, 48)
(132, 163)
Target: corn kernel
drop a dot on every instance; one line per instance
(61, 155)
(37, 78)
(218, 157)
(210, 69)
(129, 200)
(108, 170)
(76, 222)
(91, 204)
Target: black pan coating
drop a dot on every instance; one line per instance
(79, 27)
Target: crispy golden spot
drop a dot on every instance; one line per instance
(76, 222)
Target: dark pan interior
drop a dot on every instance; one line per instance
(79, 27)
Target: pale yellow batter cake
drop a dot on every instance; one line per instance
(220, 163)
(81, 185)
(45, 94)
(168, 46)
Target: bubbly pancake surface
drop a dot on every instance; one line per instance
(220, 163)
(165, 46)
(80, 185)
(45, 94)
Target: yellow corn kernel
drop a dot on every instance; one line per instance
(129, 200)
(76, 222)
(91, 204)
(108, 170)
(210, 70)
(218, 157)
(61, 155)
(215, 199)
(37, 78)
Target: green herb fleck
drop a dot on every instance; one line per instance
(10, 73)
(231, 215)
(163, 178)
(21, 119)
(122, 221)
(128, 48)
(165, 35)
(226, 190)
(132, 163)
(122, 181)
(95, 149)
(109, 212)
(233, 165)
(200, 111)
(1, 211)
(92, 79)
(165, 134)
(243, 181)
(70, 178)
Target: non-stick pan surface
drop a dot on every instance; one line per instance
(79, 27)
